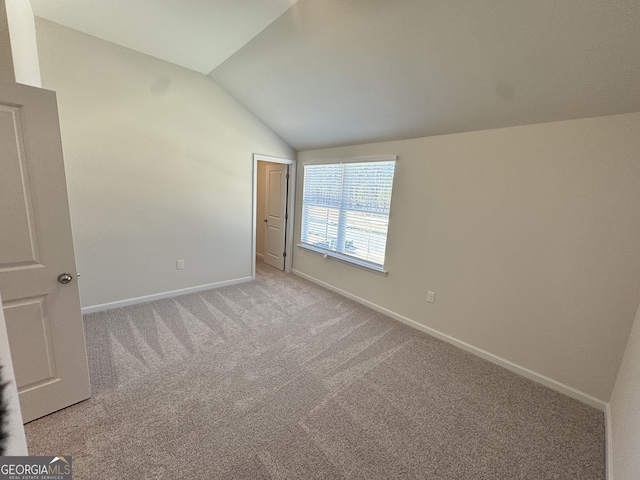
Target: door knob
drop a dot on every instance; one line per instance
(64, 278)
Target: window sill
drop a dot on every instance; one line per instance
(345, 259)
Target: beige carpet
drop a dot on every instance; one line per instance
(279, 378)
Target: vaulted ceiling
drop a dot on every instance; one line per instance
(195, 34)
(336, 72)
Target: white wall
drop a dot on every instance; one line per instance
(159, 168)
(528, 235)
(23, 42)
(625, 411)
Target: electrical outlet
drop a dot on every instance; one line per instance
(179, 264)
(431, 297)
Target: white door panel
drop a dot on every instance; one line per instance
(276, 211)
(44, 323)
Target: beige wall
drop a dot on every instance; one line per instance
(6, 60)
(23, 42)
(625, 411)
(159, 168)
(528, 235)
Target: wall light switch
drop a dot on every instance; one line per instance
(180, 264)
(431, 297)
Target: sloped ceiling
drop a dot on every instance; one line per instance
(338, 72)
(195, 34)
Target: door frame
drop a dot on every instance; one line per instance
(291, 201)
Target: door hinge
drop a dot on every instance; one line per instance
(287, 176)
(284, 254)
(286, 216)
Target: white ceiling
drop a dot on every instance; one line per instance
(336, 72)
(196, 34)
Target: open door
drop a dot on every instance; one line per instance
(37, 263)
(276, 215)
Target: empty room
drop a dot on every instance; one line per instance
(328, 239)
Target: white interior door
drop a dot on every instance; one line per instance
(44, 324)
(276, 214)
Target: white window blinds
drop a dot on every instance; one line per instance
(345, 208)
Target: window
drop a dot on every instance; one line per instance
(345, 210)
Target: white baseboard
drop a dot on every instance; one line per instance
(158, 296)
(525, 372)
(608, 431)
(259, 255)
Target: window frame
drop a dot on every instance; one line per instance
(342, 257)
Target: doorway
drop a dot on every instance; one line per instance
(273, 205)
